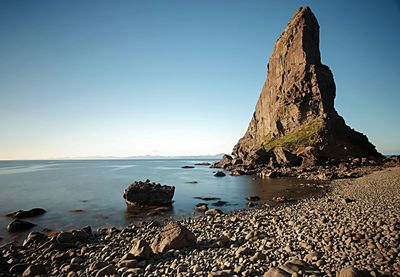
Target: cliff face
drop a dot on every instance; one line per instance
(295, 110)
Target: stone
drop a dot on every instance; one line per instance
(253, 198)
(148, 194)
(108, 270)
(19, 225)
(173, 236)
(34, 237)
(295, 109)
(219, 174)
(140, 249)
(187, 166)
(276, 272)
(350, 272)
(213, 212)
(201, 207)
(18, 268)
(25, 214)
(34, 270)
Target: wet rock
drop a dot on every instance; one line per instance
(148, 194)
(19, 225)
(219, 174)
(18, 268)
(219, 203)
(207, 198)
(225, 162)
(173, 236)
(203, 164)
(187, 166)
(25, 214)
(201, 207)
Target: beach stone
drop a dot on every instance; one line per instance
(201, 207)
(213, 212)
(276, 272)
(18, 268)
(19, 225)
(350, 272)
(34, 270)
(34, 237)
(140, 249)
(173, 236)
(107, 270)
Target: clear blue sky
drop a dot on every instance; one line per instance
(85, 78)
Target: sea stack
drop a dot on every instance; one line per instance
(295, 113)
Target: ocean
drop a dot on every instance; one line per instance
(78, 193)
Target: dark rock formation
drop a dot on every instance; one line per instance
(219, 174)
(295, 110)
(25, 214)
(19, 225)
(148, 194)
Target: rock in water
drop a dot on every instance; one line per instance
(148, 194)
(24, 214)
(173, 236)
(19, 225)
(295, 110)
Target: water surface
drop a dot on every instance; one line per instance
(78, 193)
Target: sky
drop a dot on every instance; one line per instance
(122, 78)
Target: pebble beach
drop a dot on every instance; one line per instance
(352, 230)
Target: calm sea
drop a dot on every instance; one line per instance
(89, 192)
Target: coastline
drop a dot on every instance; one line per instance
(354, 224)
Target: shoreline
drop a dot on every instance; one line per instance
(356, 224)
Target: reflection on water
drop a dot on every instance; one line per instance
(95, 189)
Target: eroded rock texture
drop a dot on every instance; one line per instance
(296, 106)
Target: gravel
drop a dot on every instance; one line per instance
(353, 226)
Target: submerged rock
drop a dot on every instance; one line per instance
(148, 194)
(219, 174)
(25, 214)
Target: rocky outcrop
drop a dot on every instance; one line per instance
(295, 110)
(148, 194)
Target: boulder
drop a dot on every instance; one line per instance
(140, 249)
(173, 236)
(284, 157)
(148, 194)
(350, 272)
(187, 166)
(25, 214)
(276, 272)
(19, 225)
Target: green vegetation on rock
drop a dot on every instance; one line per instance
(305, 136)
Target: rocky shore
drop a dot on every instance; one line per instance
(353, 230)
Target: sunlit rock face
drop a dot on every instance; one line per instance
(296, 107)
